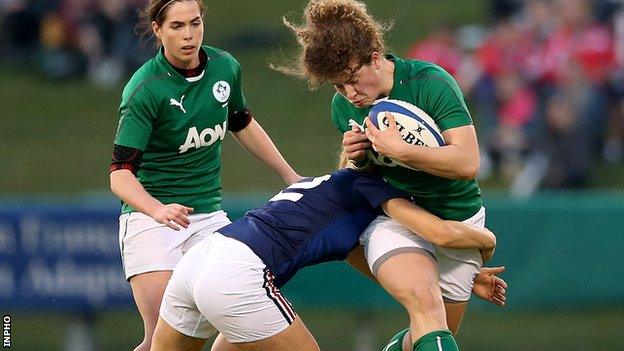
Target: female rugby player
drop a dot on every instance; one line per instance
(341, 43)
(166, 166)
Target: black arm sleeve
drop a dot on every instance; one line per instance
(238, 120)
(126, 158)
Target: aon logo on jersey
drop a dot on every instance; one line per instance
(207, 137)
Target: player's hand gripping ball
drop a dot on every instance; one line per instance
(415, 125)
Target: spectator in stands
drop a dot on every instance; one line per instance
(19, 30)
(440, 47)
(580, 49)
(613, 150)
(107, 40)
(566, 145)
(501, 88)
(516, 110)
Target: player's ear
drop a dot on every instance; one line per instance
(156, 29)
(376, 60)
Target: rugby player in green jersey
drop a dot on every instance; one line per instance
(342, 44)
(166, 165)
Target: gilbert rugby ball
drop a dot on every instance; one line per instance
(415, 125)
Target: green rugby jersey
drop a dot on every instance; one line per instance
(434, 91)
(179, 124)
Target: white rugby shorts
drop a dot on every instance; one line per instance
(385, 238)
(221, 285)
(148, 246)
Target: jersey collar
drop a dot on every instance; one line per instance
(400, 73)
(174, 73)
(397, 76)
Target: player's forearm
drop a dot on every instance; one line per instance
(458, 159)
(450, 161)
(463, 236)
(439, 232)
(417, 220)
(255, 140)
(128, 188)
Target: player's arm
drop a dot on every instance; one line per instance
(445, 233)
(487, 284)
(257, 142)
(125, 185)
(458, 159)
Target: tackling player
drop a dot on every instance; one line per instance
(230, 282)
(175, 112)
(343, 44)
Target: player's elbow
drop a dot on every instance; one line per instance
(468, 170)
(117, 180)
(113, 183)
(468, 174)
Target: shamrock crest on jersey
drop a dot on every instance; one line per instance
(174, 102)
(221, 91)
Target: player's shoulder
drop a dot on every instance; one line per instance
(430, 78)
(409, 69)
(220, 56)
(147, 74)
(429, 72)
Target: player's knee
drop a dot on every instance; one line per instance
(421, 299)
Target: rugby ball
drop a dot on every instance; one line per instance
(415, 125)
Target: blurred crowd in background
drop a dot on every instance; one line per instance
(544, 78)
(69, 38)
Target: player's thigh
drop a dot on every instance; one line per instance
(404, 265)
(178, 308)
(385, 238)
(458, 267)
(412, 279)
(235, 292)
(295, 337)
(167, 338)
(221, 344)
(148, 289)
(149, 246)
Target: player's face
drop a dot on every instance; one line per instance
(181, 33)
(364, 86)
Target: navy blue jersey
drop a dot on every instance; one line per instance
(312, 221)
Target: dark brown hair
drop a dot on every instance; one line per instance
(336, 38)
(156, 11)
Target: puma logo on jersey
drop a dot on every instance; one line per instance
(353, 123)
(174, 102)
(207, 137)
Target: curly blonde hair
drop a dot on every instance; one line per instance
(336, 38)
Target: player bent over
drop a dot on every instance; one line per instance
(230, 282)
